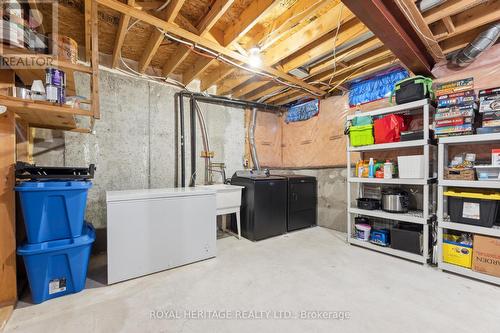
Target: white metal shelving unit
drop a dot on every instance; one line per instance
(423, 217)
(443, 220)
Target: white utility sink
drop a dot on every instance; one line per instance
(228, 198)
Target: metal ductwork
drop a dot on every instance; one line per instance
(425, 5)
(251, 139)
(481, 43)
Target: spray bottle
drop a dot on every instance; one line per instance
(371, 168)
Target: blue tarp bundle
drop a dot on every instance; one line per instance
(303, 111)
(376, 87)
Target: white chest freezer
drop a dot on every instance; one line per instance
(156, 229)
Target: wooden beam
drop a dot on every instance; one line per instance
(368, 58)
(193, 71)
(449, 8)
(8, 288)
(157, 37)
(412, 13)
(470, 19)
(371, 61)
(386, 21)
(87, 28)
(301, 11)
(459, 41)
(310, 33)
(218, 9)
(307, 35)
(448, 23)
(324, 46)
(182, 33)
(179, 55)
(351, 53)
(120, 36)
(247, 20)
(95, 61)
(251, 86)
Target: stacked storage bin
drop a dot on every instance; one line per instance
(58, 245)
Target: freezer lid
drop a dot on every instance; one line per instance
(126, 195)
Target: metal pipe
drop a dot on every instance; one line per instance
(182, 138)
(251, 139)
(213, 99)
(192, 130)
(481, 43)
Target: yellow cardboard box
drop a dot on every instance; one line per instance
(457, 254)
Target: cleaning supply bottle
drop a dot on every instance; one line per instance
(371, 168)
(388, 169)
(359, 170)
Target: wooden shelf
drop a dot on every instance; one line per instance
(44, 114)
(27, 75)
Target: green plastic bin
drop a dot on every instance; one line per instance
(361, 135)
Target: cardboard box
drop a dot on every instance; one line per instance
(495, 157)
(486, 255)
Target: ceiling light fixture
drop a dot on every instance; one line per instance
(254, 58)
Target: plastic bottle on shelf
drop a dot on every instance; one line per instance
(371, 168)
(388, 169)
(359, 168)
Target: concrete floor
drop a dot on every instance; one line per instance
(309, 270)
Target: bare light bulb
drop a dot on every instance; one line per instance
(254, 58)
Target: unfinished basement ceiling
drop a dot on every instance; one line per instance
(319, 42)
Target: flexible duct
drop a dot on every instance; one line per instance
(205, 141)
(251, 139)
(481, 43)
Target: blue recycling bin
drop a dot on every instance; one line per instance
(53, 209)
(59, 267)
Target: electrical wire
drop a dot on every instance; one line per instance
(264, 44)
(335, 45)
(221, 57)
(162, 79)
(411, 19)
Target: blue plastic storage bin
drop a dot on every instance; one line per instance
(53, 209)
(57, 268)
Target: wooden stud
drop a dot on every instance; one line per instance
(470, 19)
(218, 9)
(301, 11)
(349, 31)
(95, 61)
(449, 8)
(311, 32)
(448, 23)
(157, 37)
(120, 36)
(247, 20)
(412, 13)
(88, 30)
(8, 288)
